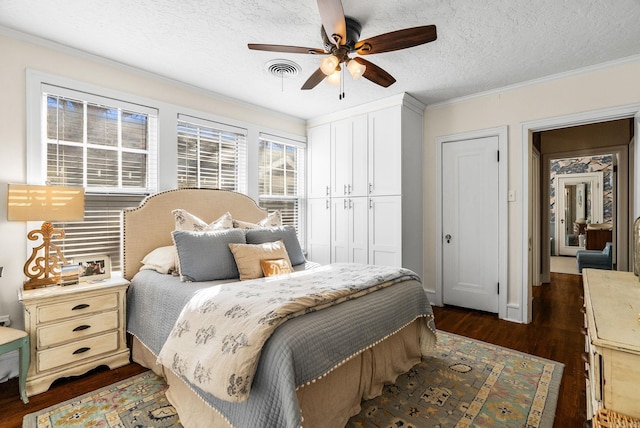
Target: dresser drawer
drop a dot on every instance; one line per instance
(76, 328)
(77, 351)
(76, 307)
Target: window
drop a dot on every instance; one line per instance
(211, 155)
(281, 179)
(106, 146)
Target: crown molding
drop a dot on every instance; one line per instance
(49, 44)
(559, 76)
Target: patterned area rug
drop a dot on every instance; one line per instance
(135, 402)
(466, 383)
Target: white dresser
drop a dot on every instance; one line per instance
(73, 329)
(612, 346)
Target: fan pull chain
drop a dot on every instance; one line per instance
(341, 90)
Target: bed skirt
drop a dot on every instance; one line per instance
(327, 402)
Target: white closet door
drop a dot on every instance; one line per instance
(385, 230)
(385, 152)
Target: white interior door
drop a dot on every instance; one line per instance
(470, 223)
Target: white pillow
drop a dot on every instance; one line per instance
(162, 259)
(189, 222)
(273, 219)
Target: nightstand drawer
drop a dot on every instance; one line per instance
(76, 351)
(76, 328)
(76, 307)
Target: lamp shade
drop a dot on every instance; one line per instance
(26, 202)
(329, 64)
(334, 78)
(356, 69)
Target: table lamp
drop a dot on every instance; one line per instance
(50, 203)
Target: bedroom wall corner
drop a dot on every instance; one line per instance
(601, 87)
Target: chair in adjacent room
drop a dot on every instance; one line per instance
(596, 259)
(10, 340)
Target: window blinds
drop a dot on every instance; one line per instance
(211, 155)
(281, 179)
(107, 146)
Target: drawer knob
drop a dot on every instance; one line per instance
(80, 350)
(81, 327)
(80, 306)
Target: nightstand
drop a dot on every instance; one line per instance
(73, 329)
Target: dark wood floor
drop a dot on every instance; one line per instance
(553, 334)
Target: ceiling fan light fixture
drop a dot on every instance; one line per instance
(356, 69)
(328, 64)
(334, 78)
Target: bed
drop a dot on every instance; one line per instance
(314, 369)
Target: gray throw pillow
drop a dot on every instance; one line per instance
(205, 256)
(272, 234)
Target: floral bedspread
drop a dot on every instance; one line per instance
(217, 340)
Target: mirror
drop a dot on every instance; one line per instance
(577, 210)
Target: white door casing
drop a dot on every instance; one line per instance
(470, 223)
(526, 132)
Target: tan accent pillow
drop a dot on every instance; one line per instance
(275, 267)
(189, 222)
(248, 257)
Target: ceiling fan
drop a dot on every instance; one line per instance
(341, 38)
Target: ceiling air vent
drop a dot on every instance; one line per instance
(281, 68)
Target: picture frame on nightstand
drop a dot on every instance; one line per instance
(93, 268)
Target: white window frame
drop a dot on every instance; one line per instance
(301, 175)
(167, 134)
(40, 83)
(242, 145)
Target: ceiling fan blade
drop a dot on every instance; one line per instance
(333, 21)
(287, 49)
(375, 73)
(317, 77)
(396, 40)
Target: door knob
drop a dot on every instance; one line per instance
(448, 238)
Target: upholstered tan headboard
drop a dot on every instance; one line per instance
(149, 226)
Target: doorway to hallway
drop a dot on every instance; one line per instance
(564, 264)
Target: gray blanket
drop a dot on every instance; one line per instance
(299, 351)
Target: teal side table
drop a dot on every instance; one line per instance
(10, 340)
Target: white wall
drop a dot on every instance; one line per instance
(597, 88)
(20, 53)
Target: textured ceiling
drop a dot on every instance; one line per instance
(481, 45)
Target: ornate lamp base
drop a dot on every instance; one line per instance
(44, 271)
